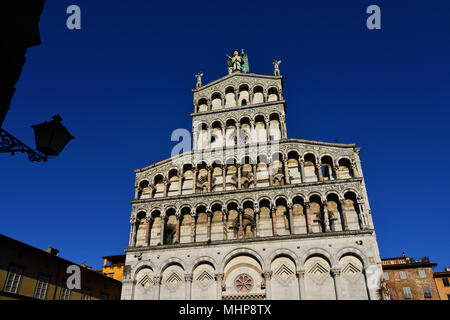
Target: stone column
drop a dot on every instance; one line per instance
(177, 236)
(224, 176)
(238, 167)
(354, 169)
(163, 227)
(224, 221)
(255, 180)
(195, 138)
(219, 280)
(209, 178)
(267, 129)
(326, 217)
(241, 229)
(336, 273)
(301, 284)
(270, 174)
(238, 134)
(308, 218)
(319, 171)
(291, 227)
(302, 169)
(224, 137)
(335, 171)
(188, 282)
(274, 220)
(208, 225)
(193, 227)
(257, 211)
(252, 137)
(344, 214)
(152, 190)
(147, 231)
(267, 279)
(180, 183)
(194, 180)
(132, 241)
(157, 281)
(283, 127)
(362, 213)
(165, 187)
(286, 172)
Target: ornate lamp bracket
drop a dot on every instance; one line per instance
(10, 144)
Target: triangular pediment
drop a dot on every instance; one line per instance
(240, 76)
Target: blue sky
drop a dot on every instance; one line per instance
(123, 83)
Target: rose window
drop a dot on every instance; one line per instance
(243, 283)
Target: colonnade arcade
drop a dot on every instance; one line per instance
(238, 132)
(245, 274)
(241, 96)
(249, 219)
(261, 171)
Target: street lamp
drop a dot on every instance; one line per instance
(51, 137)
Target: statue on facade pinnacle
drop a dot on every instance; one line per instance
(199, 80)
(238, 62)
(276, 64)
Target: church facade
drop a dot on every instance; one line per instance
(249, 213)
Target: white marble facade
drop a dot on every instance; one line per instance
(249, 213)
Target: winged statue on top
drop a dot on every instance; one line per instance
(238, 62)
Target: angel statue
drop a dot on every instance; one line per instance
(238, 62)
(276, 64)
(199, 80)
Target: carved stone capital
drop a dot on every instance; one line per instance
(188, 277)
(301, 274)
(157, 280)
(267, 275)
(335, 272)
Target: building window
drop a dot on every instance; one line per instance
(448, 296)
(446, 282)
(13, 279)
(422, 274)
(385, 262)
(402, 275)
(86, 295)
(407, 293)
(426, 292)
(386, 275)
(41, 287)
(65, 293)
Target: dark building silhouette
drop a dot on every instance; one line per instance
(20, 32)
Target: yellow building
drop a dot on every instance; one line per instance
(27, 272)
(443, 283)
(113, 266)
